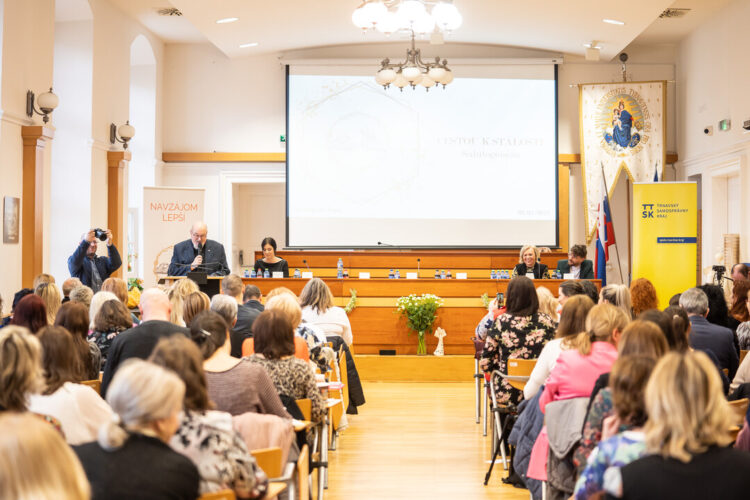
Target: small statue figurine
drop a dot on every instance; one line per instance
(440, 333)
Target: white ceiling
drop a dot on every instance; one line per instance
(280, 26)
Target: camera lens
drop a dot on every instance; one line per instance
(101, 234)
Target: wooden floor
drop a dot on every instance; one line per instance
(415, 440)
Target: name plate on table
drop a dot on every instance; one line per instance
(411, 276)
(307, 275)
(364, 276)
(568, 276)
(277, 274)
(461, 276)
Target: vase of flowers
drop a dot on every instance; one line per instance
(420, 312)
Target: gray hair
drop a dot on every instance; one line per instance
(694, 301)
(226, 307)
(82, 294)
(140, 393)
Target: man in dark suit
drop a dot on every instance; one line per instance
(707, 336)
(198, 254)
(88, 267)
(243, 327)
(251, 298)
(577, 265)
(139, 341)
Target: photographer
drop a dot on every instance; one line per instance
(91, 269)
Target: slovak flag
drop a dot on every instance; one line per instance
(605, 235)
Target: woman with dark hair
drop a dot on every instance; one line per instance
(205, 436)
(74, 316)
(112, 319)
(666, 325)
(31, 313)
(270, 262)
(569, 289)
(680, 326)
(79, 409)
(740, 312)
(520, 332)
(274, 351)
(234, 385)
(718, 312)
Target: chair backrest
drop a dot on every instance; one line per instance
(743, 353)
(520, 368)
(94, 384)
(218, 495)
(740, 408)
(305, 406)
(269, 459)
(303, 472)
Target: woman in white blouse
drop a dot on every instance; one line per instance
(80, 410)
(316, 300)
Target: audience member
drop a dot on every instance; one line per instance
(77, 407)
(740, 312)
(118, 286)
(618, 296)
(97, 300)
(643, 296)
(251, 297)
(177, 294)
(235, 385)
(31, 313)
(548, 304)
(112, 319)
(680, 326)
(520, 332)
(74, 317)
(572, 323)
(493, 310)
(274, 351)
(21, 372)
(675, 300)
(82, 294)
(139, 341)
(568, 289)
(35, 462)
(706, 336)
(90, 268)
(68, 286)
(50, 294)
(290, 307)
(231, 286)
(226, 307)
(666, 325)
(739, 272)
(316, 300)
(131, 458)
(687, 434)
(205, 436)
(576, 264)
(590, 289)
(194, 303)
(16, 299)
(42, 278)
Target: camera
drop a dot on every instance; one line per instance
(709, 130)
(101, 234)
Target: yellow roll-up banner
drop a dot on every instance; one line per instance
(665, 236)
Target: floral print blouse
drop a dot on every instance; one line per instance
(601, 408)
(218, 451)
(514, 337)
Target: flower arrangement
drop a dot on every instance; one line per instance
(420, 313)
(352, 301)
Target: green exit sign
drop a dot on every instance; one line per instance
(282, 138)
(725, 125)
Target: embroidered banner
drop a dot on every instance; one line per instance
(623, 127)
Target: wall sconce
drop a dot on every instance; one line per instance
(47, 103)
(126, 133)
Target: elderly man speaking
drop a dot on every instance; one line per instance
(198, 254)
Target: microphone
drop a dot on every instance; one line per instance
(304, 261)
(380, 243)
(419, 261)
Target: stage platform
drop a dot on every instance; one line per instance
(413, 368)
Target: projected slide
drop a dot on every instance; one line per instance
(471, 165)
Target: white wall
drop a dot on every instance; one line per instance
(261, 212)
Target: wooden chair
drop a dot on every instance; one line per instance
(740, 408)
(94, 384)
(218, 495)
(743, 353)
(519, 371)
(269, 459)
(303, 474)
(305, 406)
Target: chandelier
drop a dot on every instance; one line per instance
(391, 16)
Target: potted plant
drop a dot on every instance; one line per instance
(420, 313)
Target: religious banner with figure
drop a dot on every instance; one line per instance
(168, 214)
(623, 128)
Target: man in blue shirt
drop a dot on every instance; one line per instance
(90, 268)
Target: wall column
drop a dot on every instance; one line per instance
(117, 178)
(32, 201)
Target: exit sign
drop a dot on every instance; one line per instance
(725, 125)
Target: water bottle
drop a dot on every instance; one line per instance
(247, 273)
(493, 275)
(397, 275)
(346, 273)
(442, 274)
(437, 274)
(449, 274)
(253, 274)
(296, 273)
(266, 274)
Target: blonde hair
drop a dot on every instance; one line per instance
(177, 295)
(602, 321)
(317, 295)
(50, 294)
(548, 304)
(140, 393)
(618, 296)
(193, 304)
(280, 290)
(528, 247)
(97, 300)
(288, 305)
(118, 286)
(36, 463)
(686, 407)
(42, 278)
(21, 372)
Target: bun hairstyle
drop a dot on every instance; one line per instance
(602, 321)
(209, 331)
(140, 393)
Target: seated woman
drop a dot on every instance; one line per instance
(74, 317)
(628, 383)
(235, 385)
(78, 408)
(112, 319)
(572, 322)
(270, 262)
(194, 303)
(177, 295)
(316, 300)
(21, 372)
(35, 462)
(205, 436)
(119, 287)
(529, 265)
(548, 304)
(274, 351)
(287, 305)
(521, 332)
(569, 289)
(687, 438)
(132, 458)
(740, 312)
(97, 300)
(30, 312)
(617, 295)
(50, 294)
(643, 296)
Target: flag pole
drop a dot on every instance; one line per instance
(606, 196)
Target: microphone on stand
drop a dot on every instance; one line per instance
(304, 261)
(418, 263)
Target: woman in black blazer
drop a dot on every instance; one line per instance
(528, 263)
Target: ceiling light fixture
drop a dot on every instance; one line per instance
(614, 21)
(227, 20)
(413, 71)
(246, 45)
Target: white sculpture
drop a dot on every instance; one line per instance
(439, 333)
